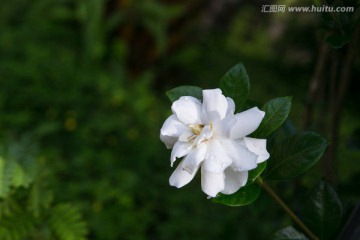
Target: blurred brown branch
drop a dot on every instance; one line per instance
(332, 73)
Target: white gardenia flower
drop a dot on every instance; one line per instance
(210, 136)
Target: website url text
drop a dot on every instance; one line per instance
(312, 9)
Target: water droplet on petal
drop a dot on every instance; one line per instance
(223, 165)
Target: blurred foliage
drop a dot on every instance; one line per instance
(27, 209)
(87, 79)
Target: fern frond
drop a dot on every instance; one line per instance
(67, 224)
(18, 166)
(40, 197)
(7, 169)
(24, 154)
(16, 224)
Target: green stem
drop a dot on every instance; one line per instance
(278, 200)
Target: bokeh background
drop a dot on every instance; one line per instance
(86, 79)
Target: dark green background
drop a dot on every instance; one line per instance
(88, 78)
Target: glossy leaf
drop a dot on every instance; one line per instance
(289, 233)
(235, 84)
(323, 210)
(243, 196)
(255, 173)
(175, 93)
(295, 155)
(276, 112)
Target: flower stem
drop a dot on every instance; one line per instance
(278, 200)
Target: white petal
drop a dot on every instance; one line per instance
(171, 130)
(231, 106)
(214, 106)
(216, 159)
(246, 122)
(180, 149)
(187, 110)
(257, 146)
(211, 183)
(242, 158)
(181, 177)
(234, 180)
(194, 158)
(186, 136)
(222, 128)
(169, 141)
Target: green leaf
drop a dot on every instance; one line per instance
(235, 84)
(175, 93)
(289, 233)
(276, 112)
(255, 173)
(323, 210)
(295, 155)
(243, 196)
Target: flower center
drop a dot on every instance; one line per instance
(196, 128)
(202, 133)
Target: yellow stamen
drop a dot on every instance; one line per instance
(196, 128)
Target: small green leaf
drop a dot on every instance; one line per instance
(255, 173)
(276, 112)
(289, 233)
(175, 93)
(323, 210)
(295, 155)
(235, 84)
(243, 196)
